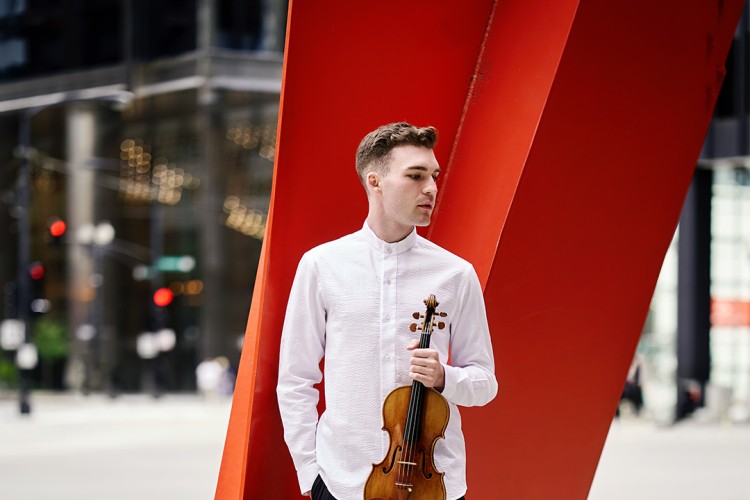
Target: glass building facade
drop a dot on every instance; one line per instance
(695, 348)
(152, 138)
(730, 290)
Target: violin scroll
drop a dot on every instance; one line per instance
(431, 302)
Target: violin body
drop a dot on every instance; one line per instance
(408, 471)
(415, 417)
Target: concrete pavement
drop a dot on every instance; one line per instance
(135, 447)
(687, 461)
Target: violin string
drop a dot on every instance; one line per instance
(406, 450)
(419, 403)
(414, 404)
(414, 421)
(408, 436)
(406, 453)
(415, 400)
(410, 431)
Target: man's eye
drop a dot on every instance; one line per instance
(416, 177)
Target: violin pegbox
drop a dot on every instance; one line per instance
(417, 315)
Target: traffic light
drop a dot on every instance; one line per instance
(57, 230)
(163, 297)
(39, 304)
(36, 271)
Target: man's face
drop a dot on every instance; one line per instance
(408, 191)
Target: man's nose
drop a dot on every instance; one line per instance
(431, 187)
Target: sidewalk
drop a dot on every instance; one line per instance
(688, 461)
(132, 447)
(136, 447)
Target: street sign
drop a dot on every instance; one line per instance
(27, 357)
(85, 332)
(12, 333)
(166, 339)
(142, 273)
(147, 346)
(176, 263)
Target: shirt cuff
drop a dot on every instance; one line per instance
(306, 477)
(452, 376)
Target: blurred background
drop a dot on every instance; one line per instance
(136, 157)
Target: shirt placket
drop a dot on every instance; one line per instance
(387, 325)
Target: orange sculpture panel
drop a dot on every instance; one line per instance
(569, 132)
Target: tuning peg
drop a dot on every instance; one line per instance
(441, 325)
(413, 327)
(443, 314)
(415, 315)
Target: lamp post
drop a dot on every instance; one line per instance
(98, 238)
(23, 197)
(24, 247)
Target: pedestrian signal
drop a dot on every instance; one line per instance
(163, 297)
(57, 228)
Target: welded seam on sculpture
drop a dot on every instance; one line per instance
(469, 94)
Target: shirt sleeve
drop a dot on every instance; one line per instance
(470, 377)
(302, 348)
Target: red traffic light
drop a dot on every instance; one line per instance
(36, 271)
(163, 297)
(57, 228)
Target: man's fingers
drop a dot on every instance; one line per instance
(412, 345)
(424, 353)
(424, 370)
(428, 380)
(424, 365)
(430, 362)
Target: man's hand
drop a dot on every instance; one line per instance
(426, 367)
(308, 494)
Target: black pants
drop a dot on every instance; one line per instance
(320, 492)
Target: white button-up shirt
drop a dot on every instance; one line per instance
(352, 300)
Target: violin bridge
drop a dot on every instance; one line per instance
(407, 463)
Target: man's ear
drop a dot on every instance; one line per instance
(373, 180)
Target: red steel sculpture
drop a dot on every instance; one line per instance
(569, 131)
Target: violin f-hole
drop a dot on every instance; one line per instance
(425, 474)
(387, 470)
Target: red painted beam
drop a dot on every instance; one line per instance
(567, 184)
(349, 67)
(567, 160)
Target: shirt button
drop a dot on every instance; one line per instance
(388, 282)
(387, 250)
(387, 317)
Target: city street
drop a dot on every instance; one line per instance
(90, 448)
(133, 447)
(688, 461)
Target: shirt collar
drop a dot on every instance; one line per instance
(385, 247)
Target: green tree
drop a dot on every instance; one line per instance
(51, 340)
(8, 374)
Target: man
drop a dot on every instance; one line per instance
(352, 301)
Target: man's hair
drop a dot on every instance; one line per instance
(373, 151)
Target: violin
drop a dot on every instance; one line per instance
(415, 417)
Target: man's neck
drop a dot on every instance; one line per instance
(390, 233)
